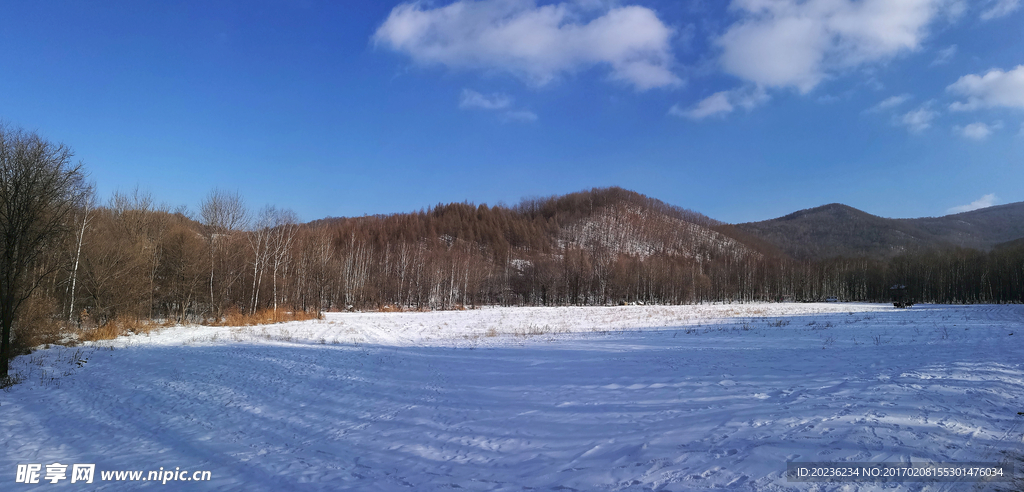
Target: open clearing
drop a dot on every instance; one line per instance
(588, 399)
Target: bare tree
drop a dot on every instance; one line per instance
(182, 271)
(222, 213)
(115, 268)
(139, 218)
(39, 190)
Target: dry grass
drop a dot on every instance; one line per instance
(119, 327)
(108, 331)
(265, 317)
(533, 330)
(134, 326)
(393, 308)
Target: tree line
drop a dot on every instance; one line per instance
(129, 257)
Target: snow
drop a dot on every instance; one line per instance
(664, 398)
(633, 231)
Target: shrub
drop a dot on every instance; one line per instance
(36, 324)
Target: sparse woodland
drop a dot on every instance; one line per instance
(133, 259)
(129, 260)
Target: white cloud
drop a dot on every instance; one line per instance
(890, 103)
(797, 44)
(994, 89)
(717, 103)
(983, 202)
(944, 55)
(536, 43)
(919, 119)
(475, 100)
(471, 99)
(722, 103)
(1000, 8)
(975, 131)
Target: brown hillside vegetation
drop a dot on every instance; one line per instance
(133, 260)
(582, 248)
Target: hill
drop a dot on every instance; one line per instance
(610, 221)
(979, 229)
(601, 245)
(839, 230)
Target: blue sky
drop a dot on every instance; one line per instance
(742, 110)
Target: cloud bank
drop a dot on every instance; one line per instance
(536, 43)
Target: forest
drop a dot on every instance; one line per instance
(133, 258)
(128, 260)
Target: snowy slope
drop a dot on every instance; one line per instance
(589, 399)
(639, 232)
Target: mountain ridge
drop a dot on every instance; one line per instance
(616, 221)
(841, 230)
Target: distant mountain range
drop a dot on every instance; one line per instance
(839, 230)
(613, 221)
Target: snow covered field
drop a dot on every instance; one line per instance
(587, 399)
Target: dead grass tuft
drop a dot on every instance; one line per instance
(265, 317)
(119, 327)
(394, 308)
